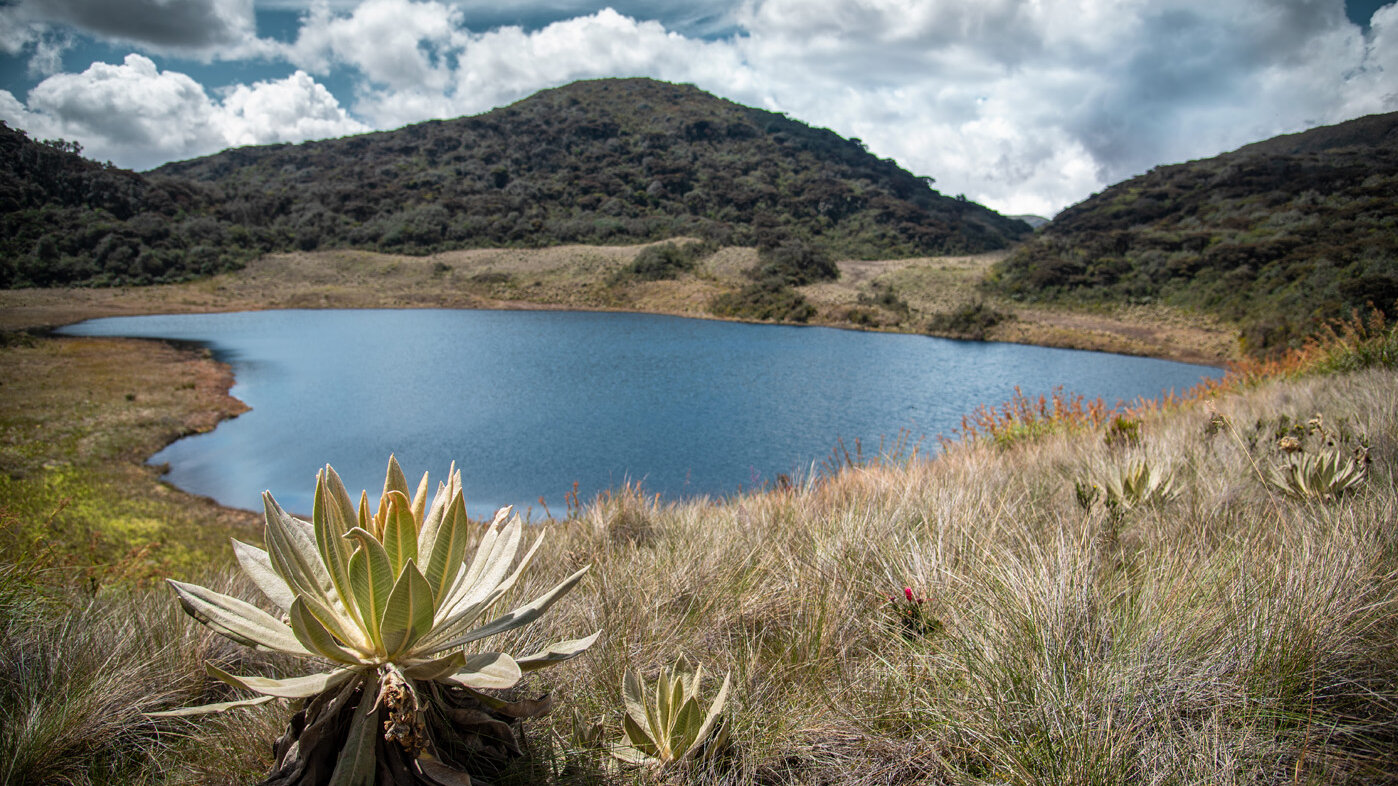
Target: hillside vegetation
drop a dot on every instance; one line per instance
(1277, 236)
(610, 161)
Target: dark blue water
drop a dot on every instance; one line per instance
(527, 402)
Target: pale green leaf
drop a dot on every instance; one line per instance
(371, 580)
(399, 532)
(633, 695)
(494, 670)
(408, 613)
(685, 729)
(419, 506)
(436, 669)
(631, 755)
(447, 549)
(237, 619)
(332, 516)
(257, 564)
(395, 480)
(486, 594)
(715, 709)
(521, 616)
(292, 547)
(432, 521)
(205, 709)
(556, 653)
(639, 737)
(292, 688)
(486, 550)
(315, 637)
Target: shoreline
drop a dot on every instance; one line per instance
(579, 279)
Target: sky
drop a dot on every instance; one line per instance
(1026, 106)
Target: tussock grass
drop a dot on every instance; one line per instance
(1228, 635)
(78, 671)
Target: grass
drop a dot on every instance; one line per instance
(77, 419)
(1228, 635)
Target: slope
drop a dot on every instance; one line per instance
(604, 161)
(1278, 236)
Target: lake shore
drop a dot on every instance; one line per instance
(582, 278)
(80, 387)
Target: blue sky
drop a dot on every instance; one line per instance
(1024, 105)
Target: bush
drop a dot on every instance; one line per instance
(663, 261)
(768, 300)
(971, 320)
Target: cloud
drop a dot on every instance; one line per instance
(167, 23)
(1030, 107)
(203, 29)
(138, 116)
(1025, 106)
(396, 44)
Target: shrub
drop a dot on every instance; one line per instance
(971, 320)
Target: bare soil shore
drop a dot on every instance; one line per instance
(583, 277)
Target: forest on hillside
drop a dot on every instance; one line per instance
(611, 161)
(1280, 236)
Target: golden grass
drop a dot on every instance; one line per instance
(1230, 636)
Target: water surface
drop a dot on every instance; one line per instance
(528, 402)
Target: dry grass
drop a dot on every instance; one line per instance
(1230, 636)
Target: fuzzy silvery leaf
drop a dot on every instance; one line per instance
(237, 619)
(314, 636)
(258, 566)
(291, 688)
(556, 653)
(206, 709)
(521, 616)
(494, 670)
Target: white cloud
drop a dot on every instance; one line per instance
(202, 29)
(1024, 105)
(1031, 106)
(138, 116)
(396, 44)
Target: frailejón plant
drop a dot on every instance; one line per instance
(1136, 486)
(387, 597)
(673, 728)
(1324, 476)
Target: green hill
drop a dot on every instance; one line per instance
(65, 219)
(607, 161)
(1277, 236)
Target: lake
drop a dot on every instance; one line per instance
(529, 402)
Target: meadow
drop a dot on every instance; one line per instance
(981, 616)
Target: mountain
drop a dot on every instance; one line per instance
(606, 161)
(1278, 236)
(1032, 220)
(597, 161)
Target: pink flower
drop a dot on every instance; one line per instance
(908, 591)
